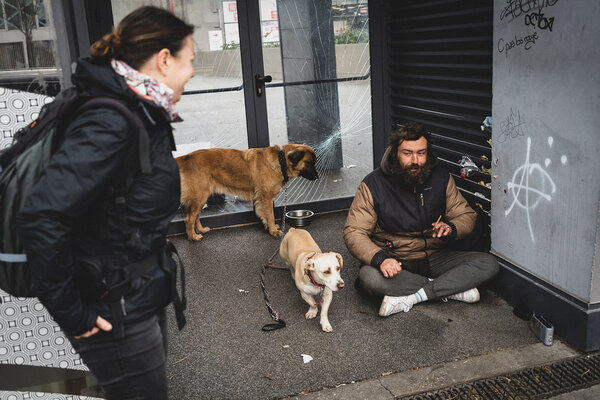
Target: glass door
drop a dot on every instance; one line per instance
(317, 53)
(29, 66)
(212, 106)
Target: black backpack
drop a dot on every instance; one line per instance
(22, 163)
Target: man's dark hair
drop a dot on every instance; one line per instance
(411, 131)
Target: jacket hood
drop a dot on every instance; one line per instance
(97, 78)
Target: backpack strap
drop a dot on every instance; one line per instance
(179, 302)
(13, 257)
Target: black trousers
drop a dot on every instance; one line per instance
(452, 272)
(132, 367)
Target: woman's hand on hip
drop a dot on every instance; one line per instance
(101, 324)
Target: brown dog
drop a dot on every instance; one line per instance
(255, 174)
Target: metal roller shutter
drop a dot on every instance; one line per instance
(440, 70)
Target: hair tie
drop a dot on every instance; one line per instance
(115, 39)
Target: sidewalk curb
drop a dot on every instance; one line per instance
(448, 374)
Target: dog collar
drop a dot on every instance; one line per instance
(312, 280)
(283, 165)
(314, 253)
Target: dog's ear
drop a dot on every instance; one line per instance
(309, 266)
(295, 156)
(340, 259)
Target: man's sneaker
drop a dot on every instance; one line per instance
(468, 296)
(394, 304)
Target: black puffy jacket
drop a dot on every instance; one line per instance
(66, 214)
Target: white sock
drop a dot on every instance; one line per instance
(419, 296)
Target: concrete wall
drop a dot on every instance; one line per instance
(546, 141)
(350, 59)
(205, 15)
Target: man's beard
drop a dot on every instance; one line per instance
(411, 179)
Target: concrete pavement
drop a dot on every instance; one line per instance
(223, 354)
(450, 374)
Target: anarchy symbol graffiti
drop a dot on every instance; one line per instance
(530, 185)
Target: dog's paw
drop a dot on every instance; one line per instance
(326, 326)
(311, 313)
(198, 228)
(275, 232)
(194, 237)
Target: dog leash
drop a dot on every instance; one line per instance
(279, 323)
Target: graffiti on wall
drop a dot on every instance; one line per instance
(518, 8)
(535, 15)
(512, 127)
(531, 184)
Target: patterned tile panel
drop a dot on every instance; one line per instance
(17, 109)
(28, 334)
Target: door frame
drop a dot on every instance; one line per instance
(251, 55)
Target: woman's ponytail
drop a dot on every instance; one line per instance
(108, 47)
(140, 35)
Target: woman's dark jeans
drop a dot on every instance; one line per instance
(132, 367)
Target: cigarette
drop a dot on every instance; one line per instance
(437, 222)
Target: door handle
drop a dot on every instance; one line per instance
(260, 83)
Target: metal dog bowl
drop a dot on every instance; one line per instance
(299, 218)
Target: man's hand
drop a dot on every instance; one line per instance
(390, 267)
(442, 229)
(101, 323)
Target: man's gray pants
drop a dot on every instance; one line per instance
(452, 272)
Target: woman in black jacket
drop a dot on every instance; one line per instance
(70, 215)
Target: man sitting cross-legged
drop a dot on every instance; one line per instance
(403, 216)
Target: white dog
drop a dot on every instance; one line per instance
(313, 271)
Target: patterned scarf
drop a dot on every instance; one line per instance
(146, 87)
